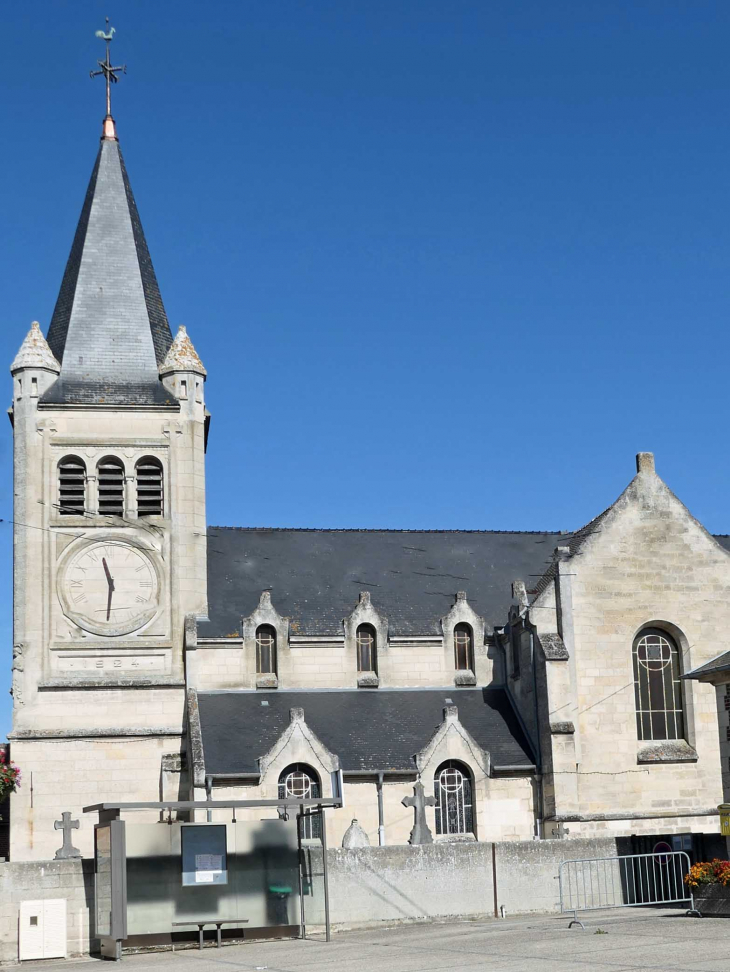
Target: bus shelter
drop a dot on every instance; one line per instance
(156, 881)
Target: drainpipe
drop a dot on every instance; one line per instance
(381, 816)
(538, 775)
(209, 796)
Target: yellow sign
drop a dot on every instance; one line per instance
(724, 810)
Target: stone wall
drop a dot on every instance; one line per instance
(367, 886)
(503, 807)
(386, 884)
(69, 774)
(332, 663)
(34, 880)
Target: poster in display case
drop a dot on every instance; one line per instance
(204, 856)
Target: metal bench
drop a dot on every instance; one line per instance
(218, 922)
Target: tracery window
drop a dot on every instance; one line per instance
(71, 486)
(453, 792)
(300, 782)
(657, 686)
(265, 650)
(367, 649)
(110, 483)
(463, 648)
(149, 487)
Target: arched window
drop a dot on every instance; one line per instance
(453, 792)
(71, 486)
(110, 473)
(657, 688)
(265, 650)
(300, 782)
(149, 487)
(367, 648)
(463, 648)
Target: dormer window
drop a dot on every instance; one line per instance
(110, 472)
(367, 649)
(149, 487)
(71, 486)
(463, 648)
(265, 650)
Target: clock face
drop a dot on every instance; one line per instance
(110, 588)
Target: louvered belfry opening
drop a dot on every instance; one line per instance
(111, 487)
(149, 487)
(71, 486)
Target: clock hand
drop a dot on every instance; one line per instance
(110, 582)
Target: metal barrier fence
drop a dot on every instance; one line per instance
(624, 882)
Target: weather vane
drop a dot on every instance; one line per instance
(109, 72)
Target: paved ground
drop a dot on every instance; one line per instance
(633, 941)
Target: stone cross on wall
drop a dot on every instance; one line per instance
(419, 801)
(66, 824)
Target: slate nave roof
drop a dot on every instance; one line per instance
(369, 731)
(315, 576)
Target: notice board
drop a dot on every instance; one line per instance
(204, 858)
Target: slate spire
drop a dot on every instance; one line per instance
(109, 329)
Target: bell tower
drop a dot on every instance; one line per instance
(109, 427)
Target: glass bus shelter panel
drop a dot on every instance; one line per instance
(184, 872)
(153, 872)
(312, 875)
(103, 880)
(266, 873)
(110, 886)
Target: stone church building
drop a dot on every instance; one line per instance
(533, 682)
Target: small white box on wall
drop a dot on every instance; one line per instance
(42, 929)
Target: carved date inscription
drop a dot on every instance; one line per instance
(110, 664)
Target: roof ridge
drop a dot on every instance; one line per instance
(252, 529)
(280, 693)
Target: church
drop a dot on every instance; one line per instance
(533, 683)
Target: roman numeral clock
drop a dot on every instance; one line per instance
(109, 587)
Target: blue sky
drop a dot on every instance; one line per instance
(448, 264)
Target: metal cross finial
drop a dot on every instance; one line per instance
(109, 72)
